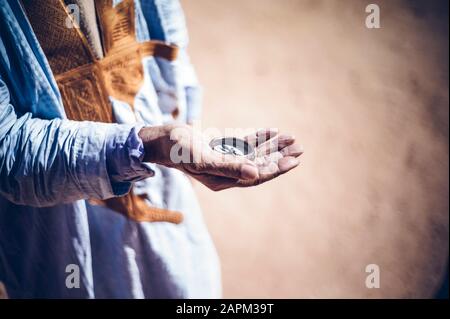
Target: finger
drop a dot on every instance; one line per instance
(261, 136)
(294, 150)
(227, 166)
(287, 163)
(239, 171)
(284, 165)
(275, 144)
(268, 164)
(273, 170)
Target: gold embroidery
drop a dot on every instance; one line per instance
(117, 24)
(84, 94)
(86, 83)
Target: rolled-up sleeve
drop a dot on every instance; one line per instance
(124, 155)
(49, 162)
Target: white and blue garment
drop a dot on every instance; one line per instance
(49, 165)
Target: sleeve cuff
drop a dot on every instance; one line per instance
(124, 155)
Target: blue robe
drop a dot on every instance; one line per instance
(50, 165)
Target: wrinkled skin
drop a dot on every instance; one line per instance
(276, 154)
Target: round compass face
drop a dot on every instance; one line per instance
(232, 146)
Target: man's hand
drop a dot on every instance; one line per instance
(180, 147)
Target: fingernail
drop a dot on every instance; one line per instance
(249, 172)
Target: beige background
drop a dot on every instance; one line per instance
(371, 110)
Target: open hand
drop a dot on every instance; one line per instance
(180, 147)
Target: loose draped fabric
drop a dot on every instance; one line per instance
(86, 82)
(49, 165)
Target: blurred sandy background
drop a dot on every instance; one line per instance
(370, 107)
